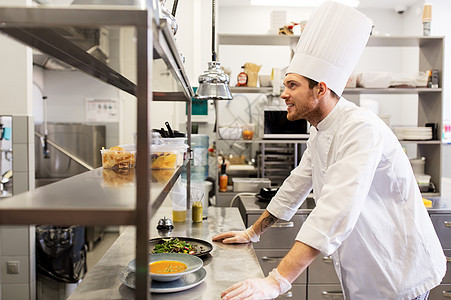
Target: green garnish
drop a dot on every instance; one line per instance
(174, 245)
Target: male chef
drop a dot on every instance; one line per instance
(369, 213)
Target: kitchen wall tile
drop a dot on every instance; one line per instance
(20, 129)
(31, 167)
(15, 292)
(30, 130)
(15, 241)
(22, 277)
(20, 158)
(11, 227)
(20, 183)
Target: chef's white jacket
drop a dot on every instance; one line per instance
(369, 212)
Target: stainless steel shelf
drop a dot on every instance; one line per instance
(287, 40)
(349, 91)
(263, 141)
(33, 27)
(86, 199)
(391, 91)
(429, 142)
(98, 197)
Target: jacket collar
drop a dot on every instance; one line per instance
(331, 117)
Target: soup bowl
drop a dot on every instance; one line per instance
(192, 263)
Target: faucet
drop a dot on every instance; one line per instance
(44, 143)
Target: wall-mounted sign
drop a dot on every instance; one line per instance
(101, 110)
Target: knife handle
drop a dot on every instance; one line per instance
(171, 133)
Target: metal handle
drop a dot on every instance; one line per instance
(447, 223)
(283, 225)
(447, 294)
(271, 259)
(65, 152)
(328, 259)
(332, 294)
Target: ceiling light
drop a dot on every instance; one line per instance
(301, 3)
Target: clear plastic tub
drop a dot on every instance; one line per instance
(174, 141)
(119, 157)
(248, 131)
(167, 156)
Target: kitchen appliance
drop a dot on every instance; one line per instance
(75, 142)
(84, 141)
(250, 184)
(277, 126)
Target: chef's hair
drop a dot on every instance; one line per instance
(312, 83)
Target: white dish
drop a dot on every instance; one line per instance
(192, 262)
(128, 276)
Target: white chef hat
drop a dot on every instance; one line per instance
(331, 45)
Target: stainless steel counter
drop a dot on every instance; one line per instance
(251, 204)
(225, 264)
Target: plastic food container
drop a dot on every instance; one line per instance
(230, 132)
(374, 79)
(119, 157)
(418, 165)
(248, 132)
(423, 182)
(167, 156)
(174, 141)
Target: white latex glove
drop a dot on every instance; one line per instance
(239, 237)
(258, 288)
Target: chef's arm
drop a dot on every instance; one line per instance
(296, 261)
(264, 222)
(252, 234)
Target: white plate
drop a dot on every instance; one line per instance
(192, 262)
(127, 276)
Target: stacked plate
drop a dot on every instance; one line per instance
(413, 133)
(172, 281)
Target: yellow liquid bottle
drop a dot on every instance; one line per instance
(197, 211)
(179, 215)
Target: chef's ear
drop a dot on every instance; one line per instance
(321, 89)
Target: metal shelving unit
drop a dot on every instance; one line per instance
(430, 103)
(87, 199)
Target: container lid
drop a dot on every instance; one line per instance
(168, 148)
(419, 160)
(423, 178)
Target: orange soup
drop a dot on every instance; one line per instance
(167, 267)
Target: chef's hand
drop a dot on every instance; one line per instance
(239, 237)
(258, 288)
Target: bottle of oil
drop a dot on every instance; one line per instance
(223, 178)
(242, 78)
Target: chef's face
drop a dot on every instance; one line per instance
(299, 98)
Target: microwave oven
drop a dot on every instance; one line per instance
(277, 126)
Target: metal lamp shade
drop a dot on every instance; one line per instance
(213, 84)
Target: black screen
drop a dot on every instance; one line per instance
(276, 122)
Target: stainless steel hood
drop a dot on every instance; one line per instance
(94, 41)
